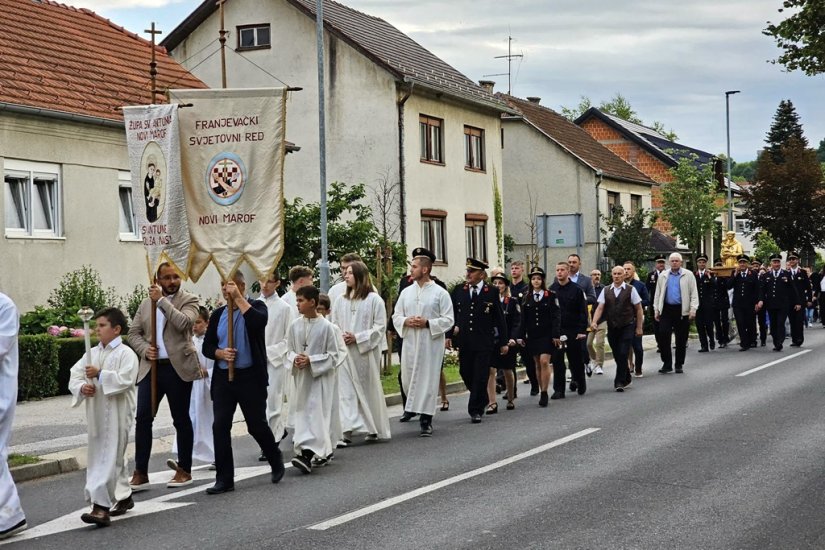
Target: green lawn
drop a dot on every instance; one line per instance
(390, 380)
(20, 460)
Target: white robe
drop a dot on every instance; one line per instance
(423, 350)
(361, 396)
(336, 291)
(315, 397)
(291, 300)
(109, 415)
(280, 386)
(200, 410)
(11, 513)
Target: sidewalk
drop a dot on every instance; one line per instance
(54, 431)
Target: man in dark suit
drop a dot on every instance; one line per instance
(480, 330)
(745, 285)
(650, 283)
(706, 285)
(800, 279)
(778, 294)
(247, 389)
(721, 321)
(762, 314)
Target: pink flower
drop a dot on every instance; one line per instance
(54, 330)
(77, 332)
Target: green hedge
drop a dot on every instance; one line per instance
(37, 375)
(69, 351)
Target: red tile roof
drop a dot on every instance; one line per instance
(71, 60)
(576, 140)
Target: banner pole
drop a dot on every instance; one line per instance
(153, 341)
(230, 335)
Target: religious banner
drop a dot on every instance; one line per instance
(158, 202)
(232, 154)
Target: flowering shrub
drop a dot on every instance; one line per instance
(65, 332)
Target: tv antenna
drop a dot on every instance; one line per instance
(509, 57)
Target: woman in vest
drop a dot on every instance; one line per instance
(540, 325)
(505, 363)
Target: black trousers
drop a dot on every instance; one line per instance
(777, 317)
(529, 369)
(638, 352)
(474, 367)
(672, 322)
(762, 321)
(745, 326)
(797, 319)
(722, 325)
(573, 351)
(704, 326)
(620, 339)
(248, 390)
(178, 393)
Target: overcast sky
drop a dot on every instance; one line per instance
(672, 60)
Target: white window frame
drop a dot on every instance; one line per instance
(33, 171)
(126, 211)
(256, 38)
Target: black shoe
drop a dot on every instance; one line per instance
(262, 458)
(534, 391)
(744, 348)
(557, 395)
(122, 506)
(14, 529)
(407, 416)
(278, 470)
(582, 389)
(703, 350)
(573, 385)
(98, 516)
(763, 344)
(723, 345)
(796, 345)
(476, 419)
(303, 464)
(665, 370)
(712, 347)
(679, 370)
(525, 381)
(619, 389)
(777, 348)
(219, 488)
(426, 431)
(543, 399)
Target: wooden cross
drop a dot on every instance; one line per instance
(153, 66)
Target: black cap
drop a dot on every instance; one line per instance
(538, 271)
(422, 252)
(745, 258)
(792, 254)
(775, 257)
(472, 263)
(717, 261)
(659, 258)
(756, 260)
(500, 277)
(702, 257)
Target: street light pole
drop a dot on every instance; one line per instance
(730, 193)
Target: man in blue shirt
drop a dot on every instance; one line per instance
(674, 306)
(248, 389)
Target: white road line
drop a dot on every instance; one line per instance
(340, 520)
(772, 363)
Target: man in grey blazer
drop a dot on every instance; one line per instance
(177, 363)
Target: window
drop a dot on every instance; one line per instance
(612, 202)
(742, 226)
(128, 224)
(475, 236)
(32, 199)
(635, 204)
(253, 37)
(473, 148)
(432, 140)
(433, 238)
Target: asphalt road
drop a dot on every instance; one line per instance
(707, 459)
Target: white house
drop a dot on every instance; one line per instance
(394, 112)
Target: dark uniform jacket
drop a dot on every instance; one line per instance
(480, 321)
(652, 279)
(803, 285)
(746, 289)
(722, 300)
(779, 292)
(706, 286)
(573, 306)
(540, 319)
(518, 290)
(511, 309)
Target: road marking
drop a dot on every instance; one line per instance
(71, 521)
(772, 363)
(340, 520)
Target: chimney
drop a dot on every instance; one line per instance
(534, 99)
(487, 85)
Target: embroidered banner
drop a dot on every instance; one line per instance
(153, 142)
(232, 154)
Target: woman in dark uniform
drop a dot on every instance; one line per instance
(540, 325)
(505, 363)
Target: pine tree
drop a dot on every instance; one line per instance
(785, 127)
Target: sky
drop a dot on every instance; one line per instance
(672, 60)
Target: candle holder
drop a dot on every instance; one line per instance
(86, 313)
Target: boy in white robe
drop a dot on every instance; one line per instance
(200, 405)
(106, 383)
(12, 519)
(313, 355)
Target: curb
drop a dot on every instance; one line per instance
(49, 465)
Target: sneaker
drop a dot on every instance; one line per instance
(343, 443)
(426, 431)
(139, 482)
(318, 461)
(598, 370)
(371, 437)
(628, 383)
(588, 369)
(638, 374)
(302, 464)
(180, 479)
(619, 389)
(13, 530)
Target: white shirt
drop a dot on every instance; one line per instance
(477, 286)
(634, 295)
(161, 324)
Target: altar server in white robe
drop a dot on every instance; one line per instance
(200, 405)
(422, 317)
(12, 519)
(106, 384)
(313, 354)
(361, 315)
(280, 317)
(299, 276)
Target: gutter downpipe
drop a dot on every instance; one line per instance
(402, 188)
(600, 175)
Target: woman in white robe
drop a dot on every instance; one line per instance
(360, 314)
(12, 519)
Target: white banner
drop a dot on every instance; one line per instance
(232, 154)
(153, 141)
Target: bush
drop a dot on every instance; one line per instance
(132, 301)
(37, 376)
(79, 288)
(69, 351)
(39, 320)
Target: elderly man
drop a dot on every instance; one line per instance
(674, 306)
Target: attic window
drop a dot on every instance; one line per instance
(253, 37)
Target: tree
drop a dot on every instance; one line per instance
(784, 128)
(765, 246)
(619, 107)
(788, 197)
(742, 171)
(689, 202)
(820, 152)
(627, 236)
(801, 37)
